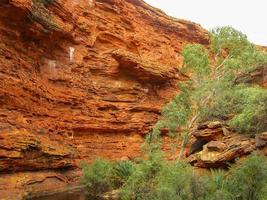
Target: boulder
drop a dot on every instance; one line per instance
(222, 146)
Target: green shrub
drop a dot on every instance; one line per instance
(178, 181)
(252, 115)
(249, 180)
(216, 186)
(141, 184)
(156, 179)
(102, 176)
(120, 173)
(244, 107)
(95, 177)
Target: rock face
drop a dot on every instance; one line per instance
(221, 146)
(22, 150)
(82, 79)
(258, 76)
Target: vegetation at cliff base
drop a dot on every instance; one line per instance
(158, 179)
(219, 87)
(102, 176)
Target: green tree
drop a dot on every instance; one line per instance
(248, 181)
(213, 91)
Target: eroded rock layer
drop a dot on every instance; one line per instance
(81, 79)
(214, 145)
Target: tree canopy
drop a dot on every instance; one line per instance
(213, 91)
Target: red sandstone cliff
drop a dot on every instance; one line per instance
(81, 79)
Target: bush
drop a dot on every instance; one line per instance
(177, 181)
(249, 180)
(102, 176)
(95, 177)
(156, 179)
(252, 115)
(120, 173)
(242, 106)
(141, 184)
(216, 186)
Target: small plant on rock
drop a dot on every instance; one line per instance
(41, 14)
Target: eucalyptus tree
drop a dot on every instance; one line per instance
(214, 91)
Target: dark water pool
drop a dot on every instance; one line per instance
(75, 193)
(70, 195)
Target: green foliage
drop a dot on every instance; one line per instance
(215, 90)
(141, 184)
(216, 186)
(196, 59)
(243, 106)
(120, 173)
(156, 179)
(176, 112)
(229, 39)
(41, 14)
(249, 181)
(102, 176)
(177, 181)
(252, 115)
(95, 177)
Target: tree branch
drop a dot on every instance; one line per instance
(190, 125)
(227, 57)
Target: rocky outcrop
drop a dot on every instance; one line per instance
(261, 142)
(220, 146)
(258, 76)
(82, 79)
(21, 150)
(146, 70)
(94, 75)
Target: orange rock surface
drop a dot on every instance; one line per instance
(82, 79)
(216, 145)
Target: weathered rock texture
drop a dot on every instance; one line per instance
(216, 145)
(258, 76)
(28, 151)
(35, 184)
(81, 79)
